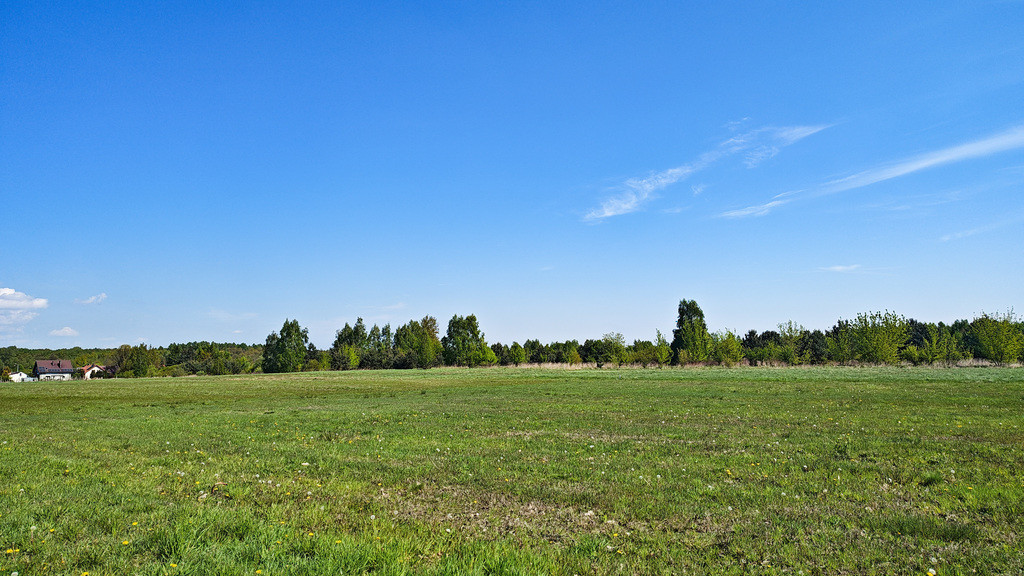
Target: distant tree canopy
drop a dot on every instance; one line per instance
(464, 344)
(691, 341)
(286, 352)
(416, 344)
(869, 338)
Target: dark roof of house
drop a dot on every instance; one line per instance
(54, 367)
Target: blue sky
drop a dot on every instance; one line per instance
(181, 172)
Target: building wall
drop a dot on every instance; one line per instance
(55, 376)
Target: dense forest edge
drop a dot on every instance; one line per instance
(869, 338)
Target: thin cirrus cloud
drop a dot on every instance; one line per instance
(93, 299)
(756, 146)
(841, 268)
(1009, 140)
(982, 229)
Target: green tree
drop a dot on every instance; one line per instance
(839, 343)
(662, 350)
(139, 362)
(813, 346)
(644, 352)
(501, 352)
(516, 354)
(727, 348)
(791, 337)
(464, 343)
(878, 337)
(118, 358)
(614, 349)
(997, 337)
(572, 356)
(691, 341)
(416, 344)
(285, 352)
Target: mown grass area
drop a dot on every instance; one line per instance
(528, 471)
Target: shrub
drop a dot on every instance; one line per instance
(997, 337)
(727, 349)
(878, 336)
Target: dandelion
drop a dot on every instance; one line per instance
(125, 543)
(173, 565)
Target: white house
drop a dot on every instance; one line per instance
(54, 369)
(90, 370)
(19, 377)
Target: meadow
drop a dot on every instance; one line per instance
(824, 470)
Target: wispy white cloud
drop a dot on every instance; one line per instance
(757, 146)
(841, 268)
(698, 189)
(982, 229)
(915, 202)
(93, 299)
(65, 331)
(17, 308)
(762, 209)
(793, 134)
(759, 155)
(1009, 140)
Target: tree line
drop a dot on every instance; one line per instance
(141, 360)
(869, 338)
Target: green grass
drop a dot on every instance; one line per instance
(502, 471)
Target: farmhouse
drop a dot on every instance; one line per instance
(90, 370)
(53, 369)
(19, 377)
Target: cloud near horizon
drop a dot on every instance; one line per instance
(65, 331)
(1011, 139)
(757, 146)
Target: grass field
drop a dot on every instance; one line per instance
(503, 471)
